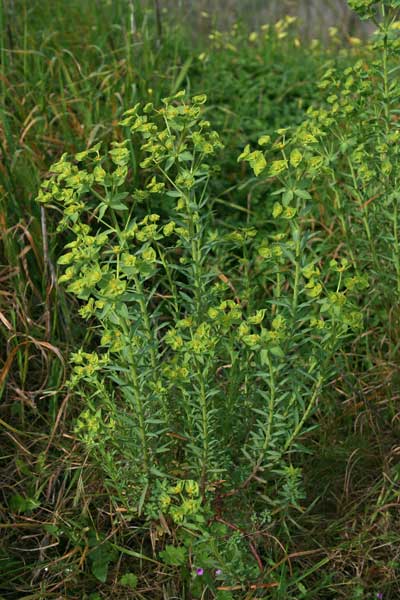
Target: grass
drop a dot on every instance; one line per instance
(69, 70)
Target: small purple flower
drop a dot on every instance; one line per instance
(218, 572)
(199, 571)
(379, 595)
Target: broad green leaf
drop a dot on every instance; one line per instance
(287, 197)
(303, 194)
(100, 570)
(257, 162)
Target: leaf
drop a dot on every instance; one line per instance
(181, 76)
(185, 156)
(264, 140)
(287, 197)
(200, 99)
(245, 154)
(277, 351)
(264, 356)
(118, 206)
(257, 162)
(130, 580)
(100, 570)
(295, 157)
(23, 505)
(102, 209)
(257, 317)
(65, 259)
(52, 529)
(129, 552)
(277, 167)
(101, 557)
(120, 196)
(81, 155)
(169, 163)
(303, 194)
(175, 556)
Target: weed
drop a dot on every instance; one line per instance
(200, 386)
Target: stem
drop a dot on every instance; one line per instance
(267, 437)
(195, 244)
(204, 425)
(305, 416)
(138, 403)
(385, 73)
(147, 325)
(271, 405)
(276, 292)
(296, 234)
(194, 235)
(204, 419)
(246, 263)
(343, 221)
(171, 281)
(364, 216)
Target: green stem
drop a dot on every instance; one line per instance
(305, 416)
(385, 73)
(271, 405)
(343, 221)
(364, 216)
(195, 245)
(297, 273)
(268, 431)
(171, 281)
(204, 428)
(138, 403)
(246, 263)
(195, 242)
(146, 323)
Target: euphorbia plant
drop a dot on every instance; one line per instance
(204, 380)
(344, 155)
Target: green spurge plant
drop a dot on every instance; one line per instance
(344, 155)
(208, 369)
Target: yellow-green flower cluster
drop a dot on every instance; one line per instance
(262, 338)
(176, 371)
(70, 183)
(92, 428)
(162, 137)
(198, 340)
(114, 340)
(225, 314)
(180, 501)
(364, 8)
(86, 364)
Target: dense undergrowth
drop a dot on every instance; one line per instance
(201, 270)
